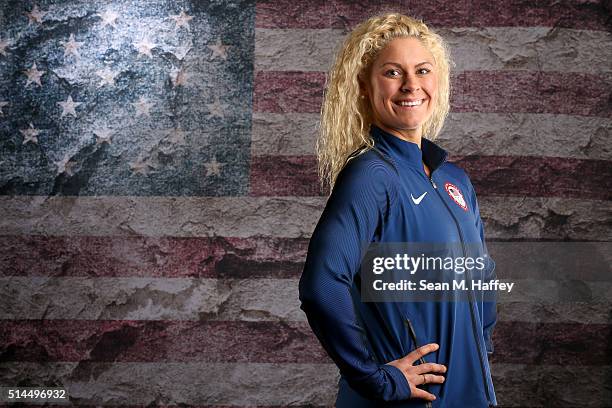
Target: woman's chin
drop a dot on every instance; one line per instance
(409, 125)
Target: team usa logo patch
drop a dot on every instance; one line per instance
(454, 192)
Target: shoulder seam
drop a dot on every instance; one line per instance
(393, 193)
(386, 159)
(365, 149)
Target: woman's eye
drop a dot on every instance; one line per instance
(395, 72)
(391, 71)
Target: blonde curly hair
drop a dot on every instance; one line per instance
(345, 117)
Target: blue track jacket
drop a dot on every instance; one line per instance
(373, 200)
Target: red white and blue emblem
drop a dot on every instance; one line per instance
(454, 192)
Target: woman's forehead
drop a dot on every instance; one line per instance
(408, 50)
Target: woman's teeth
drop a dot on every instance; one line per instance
(416, 103)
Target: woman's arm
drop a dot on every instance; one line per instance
(356, 207)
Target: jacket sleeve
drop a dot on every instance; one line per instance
(354, 210)
(489, 307)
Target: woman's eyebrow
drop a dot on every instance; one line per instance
(398, 65)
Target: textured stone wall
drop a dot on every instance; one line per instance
(158, 189)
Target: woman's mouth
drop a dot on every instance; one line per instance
(410, 105)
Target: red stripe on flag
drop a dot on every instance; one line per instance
(288, 91)
(491, 175)
(262, 342)
(284, 176)
(166, 257)
(472, 91)
(346, 14)
(252, 258)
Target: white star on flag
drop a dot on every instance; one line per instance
(215, 108)
(103, 135)
(181, 52)
(35, 15)
(213, 167)
(2, 105)
(179, 77)
(142, 106)
(108, 18)
(108, 77)
(218, 49)
(34, 75)
(65, 166)
(177, 136)
(144, 47)
(182, 20)
(140, 167)
(68, 106)
(71, 46)
(30, 134)
(3, 45)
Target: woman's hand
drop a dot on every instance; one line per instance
(422, 373)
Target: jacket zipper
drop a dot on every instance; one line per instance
(408, 323)
(471, 295)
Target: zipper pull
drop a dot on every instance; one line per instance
(433, 183)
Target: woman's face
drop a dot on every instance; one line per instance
(403, 71)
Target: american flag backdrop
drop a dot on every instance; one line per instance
(158, 190)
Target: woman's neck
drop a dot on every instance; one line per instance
(409, 135)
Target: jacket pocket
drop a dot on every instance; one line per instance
(413, 336)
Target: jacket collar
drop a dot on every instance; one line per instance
(408, 152)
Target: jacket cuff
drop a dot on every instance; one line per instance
(399, 389)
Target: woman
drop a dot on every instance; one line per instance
(385, 102)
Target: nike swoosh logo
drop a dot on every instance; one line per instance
(417, 201)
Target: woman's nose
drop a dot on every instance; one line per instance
(410, 84)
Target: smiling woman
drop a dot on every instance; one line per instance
(412, 64)
(401, 86)
(385, 102)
